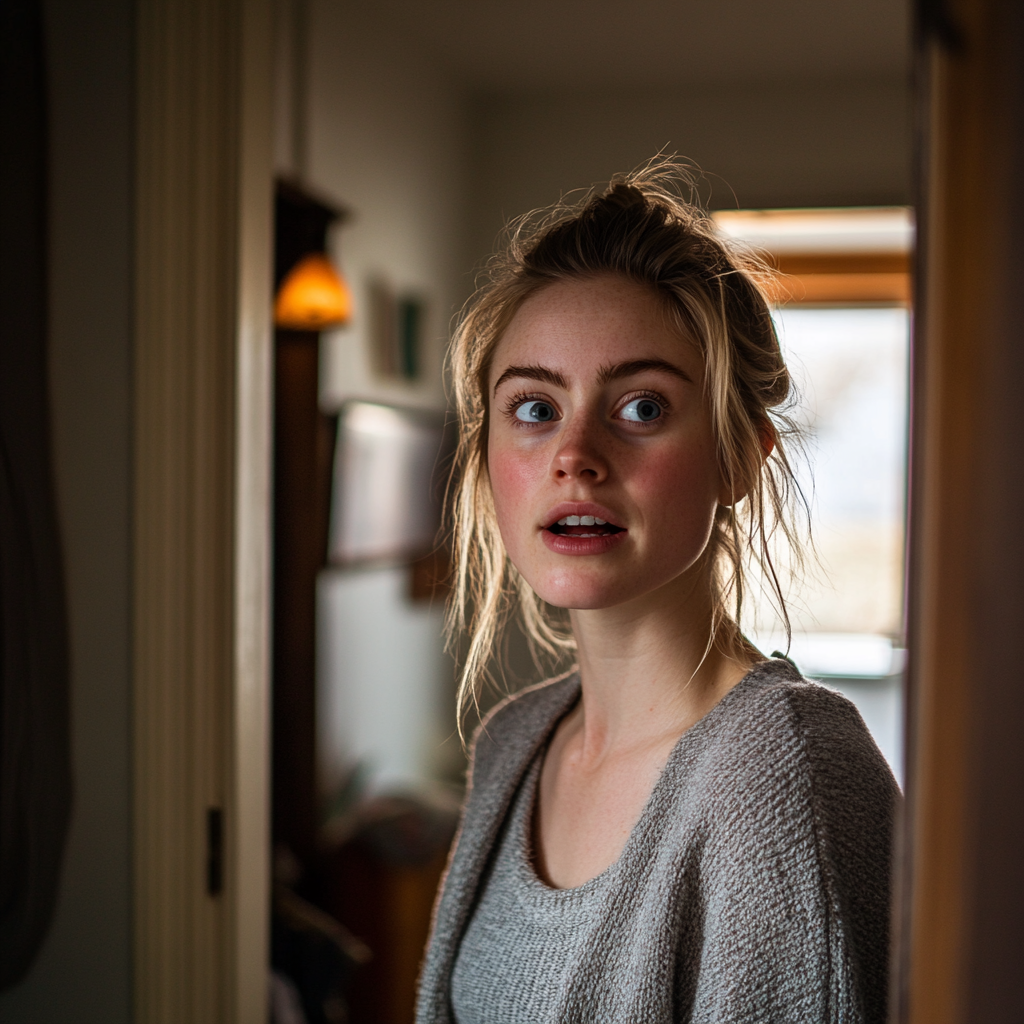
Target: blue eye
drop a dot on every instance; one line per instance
(535, 412)
(642, 410)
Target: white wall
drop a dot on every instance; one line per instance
(832, 143)
(385, 693)
(384, 138)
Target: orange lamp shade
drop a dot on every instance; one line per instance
(312, 296)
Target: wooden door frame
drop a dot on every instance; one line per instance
(202, 444)
(961, 905)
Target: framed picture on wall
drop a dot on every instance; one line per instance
(387, 483)
(396, 324)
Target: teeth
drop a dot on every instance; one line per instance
(582, 521)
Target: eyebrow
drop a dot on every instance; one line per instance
(634, 366)
(607, 373)
(533, 373)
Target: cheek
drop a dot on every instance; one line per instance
(677, 489)
(513, 475)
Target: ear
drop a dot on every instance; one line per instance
(766, 438)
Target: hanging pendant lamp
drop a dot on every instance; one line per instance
(312, 297)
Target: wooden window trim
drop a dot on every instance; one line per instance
(841, 278)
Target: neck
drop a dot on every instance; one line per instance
(649, 669)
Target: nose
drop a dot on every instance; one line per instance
(579, 455)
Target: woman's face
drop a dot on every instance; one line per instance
(600, 449)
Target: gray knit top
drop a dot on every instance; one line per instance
(496, 980)
(754, 887)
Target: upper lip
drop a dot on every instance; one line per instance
(580, 508)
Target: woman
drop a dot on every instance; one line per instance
(679, 829)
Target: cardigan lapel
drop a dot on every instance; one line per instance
(503, 748)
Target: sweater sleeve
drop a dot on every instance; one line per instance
(794, 870)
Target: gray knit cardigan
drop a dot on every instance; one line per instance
(754, 888)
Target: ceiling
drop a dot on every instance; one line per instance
(539, 44)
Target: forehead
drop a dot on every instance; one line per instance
(597, 321)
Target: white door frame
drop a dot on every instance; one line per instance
(202, 430)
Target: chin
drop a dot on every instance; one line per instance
(578, 595)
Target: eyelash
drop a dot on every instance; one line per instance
(518, 399)
(654, 396)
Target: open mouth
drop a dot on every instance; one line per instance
(584, 526)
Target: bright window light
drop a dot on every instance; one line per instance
(872, 229)
(844, 328)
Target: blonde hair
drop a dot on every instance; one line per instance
(641, 227)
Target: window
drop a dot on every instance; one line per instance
(843, 321)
